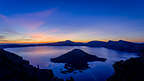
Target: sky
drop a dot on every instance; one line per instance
(41, 21)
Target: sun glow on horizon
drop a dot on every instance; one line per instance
(52, 23)
(40, 42)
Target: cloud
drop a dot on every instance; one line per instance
(2, 37)
(50, 37)
(54, 30)
(3, 17)
(28, 21)
(41, 14)
(13, 38)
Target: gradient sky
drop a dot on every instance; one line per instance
(34, 21)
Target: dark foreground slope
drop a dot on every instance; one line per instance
(129, 70)
(14, 68)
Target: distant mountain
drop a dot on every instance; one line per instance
(96, 43)
(66, 43)
(124, 46)
(120, 45)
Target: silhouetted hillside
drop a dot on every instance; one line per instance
(129, 70)
(14, 68)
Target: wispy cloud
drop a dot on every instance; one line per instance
(13, 26)
(2, 37)
(29, 21)
(3, 17)
(41, 14)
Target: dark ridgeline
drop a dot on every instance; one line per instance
(125, 46)
(129, 70)
(115, 45)
(119, 45)
(96, 44)
(14, 68)
(76, 60)
(66, 43)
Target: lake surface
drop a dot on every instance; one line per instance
(98, 71)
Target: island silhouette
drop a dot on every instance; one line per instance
(76, 59)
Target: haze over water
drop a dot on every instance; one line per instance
(98, 71)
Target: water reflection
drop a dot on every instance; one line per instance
(99, 71)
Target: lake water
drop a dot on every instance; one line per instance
(98, 71)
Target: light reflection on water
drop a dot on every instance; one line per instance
(99, 71)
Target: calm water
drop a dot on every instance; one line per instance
(99, 71)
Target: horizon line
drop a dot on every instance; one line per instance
(42, 42)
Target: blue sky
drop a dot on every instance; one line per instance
(77, 20)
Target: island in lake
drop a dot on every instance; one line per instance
(76, 60)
